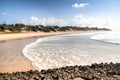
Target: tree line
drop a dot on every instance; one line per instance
(18, 27)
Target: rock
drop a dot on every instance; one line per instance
(103, 71)
(78, 79)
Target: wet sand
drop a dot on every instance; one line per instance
(11, 57)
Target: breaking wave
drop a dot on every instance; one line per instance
(69, 50)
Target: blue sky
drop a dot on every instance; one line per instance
(69, 12)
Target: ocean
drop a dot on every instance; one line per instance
(112, 37)
(74, 49)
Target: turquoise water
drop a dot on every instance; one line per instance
(68, 50)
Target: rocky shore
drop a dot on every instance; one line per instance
(102, 71)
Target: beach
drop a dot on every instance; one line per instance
(14, 65)
(23, 35)
(11, 46)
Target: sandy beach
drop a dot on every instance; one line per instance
(11, 46)
(59, 40)
(12, 60)
(14, 36)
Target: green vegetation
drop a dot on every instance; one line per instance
(22, 27)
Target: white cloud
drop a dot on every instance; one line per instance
(22, 21)
(114, 25)
(81, 5)
(3, 13)
(81, 20)
(47, 21)
(34, 18)
(78, 20)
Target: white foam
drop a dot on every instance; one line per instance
(112, 37)
(57, 51)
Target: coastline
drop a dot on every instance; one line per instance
(11, 45)
(23, 35)
(14, 65)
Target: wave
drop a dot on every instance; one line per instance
(66, 50)
(111, 37)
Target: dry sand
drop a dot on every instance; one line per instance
(5, 37)
(11, 57)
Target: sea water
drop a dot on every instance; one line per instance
(112, 37)
(73, 49)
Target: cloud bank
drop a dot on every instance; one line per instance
(81, 5)
(78, 20)
(81, 20)
(47, 21)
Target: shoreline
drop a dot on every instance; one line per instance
(14, 65)
(11, 56)
(24, 35)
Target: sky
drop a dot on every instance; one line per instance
(91, 13)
